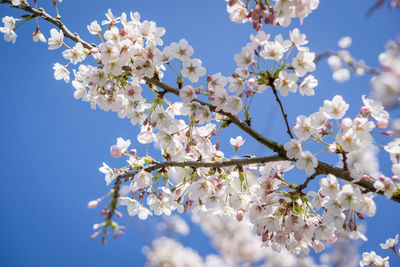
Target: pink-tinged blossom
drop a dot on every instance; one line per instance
(336, 108)
(307, 85)
(134, 207)
(245, 58)
(293, 149)
(146, 135)
(187, 94)
(75, 54)
(38, 36)
(110, 174)
(8, 29)
(233, 105)
(303, 128)
(385, 185)
(237, 142)
(376, 108)
(286, 83)
(298, 38)
(94, 28)
(390, 243)
(56, 39)
(370, 258)
(192, 70)
(61, 72)
(143, 179)
(307, 161)
(182, 50)
(303, 62)
(111, 20)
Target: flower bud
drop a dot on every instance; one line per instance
(249, 93)
(329, 125)
(364, 110)
(93, 204)
(235, 75)
(388, 133)
(115, 151)
(382, 124)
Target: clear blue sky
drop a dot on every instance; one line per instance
(52, 145)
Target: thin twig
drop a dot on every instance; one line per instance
(301, 187)
(282, 111)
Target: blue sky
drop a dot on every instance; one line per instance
(52, 145)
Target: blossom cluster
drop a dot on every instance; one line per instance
(350, 139)
(277, 12)
(282, 73)
(386, 86)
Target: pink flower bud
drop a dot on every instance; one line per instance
(94, 51)
(217, 146)
(197, 92)
(388, 133)
(249, 93)
(346, 124)
(382, 124)
(115, 151)
(235, 75)
(211, 97)
(94, 235)
(214, 132)
(133, 152)
(364, 110)
(395, 178)
(211, 91)
(96, 226)
(329, 125)
(93, 204)
(209, 78)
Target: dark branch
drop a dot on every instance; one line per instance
(282, 111)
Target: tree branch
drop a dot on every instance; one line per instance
(205, 164)
(282, 111)
(322, 168)
(301, 187)
(43, 14)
